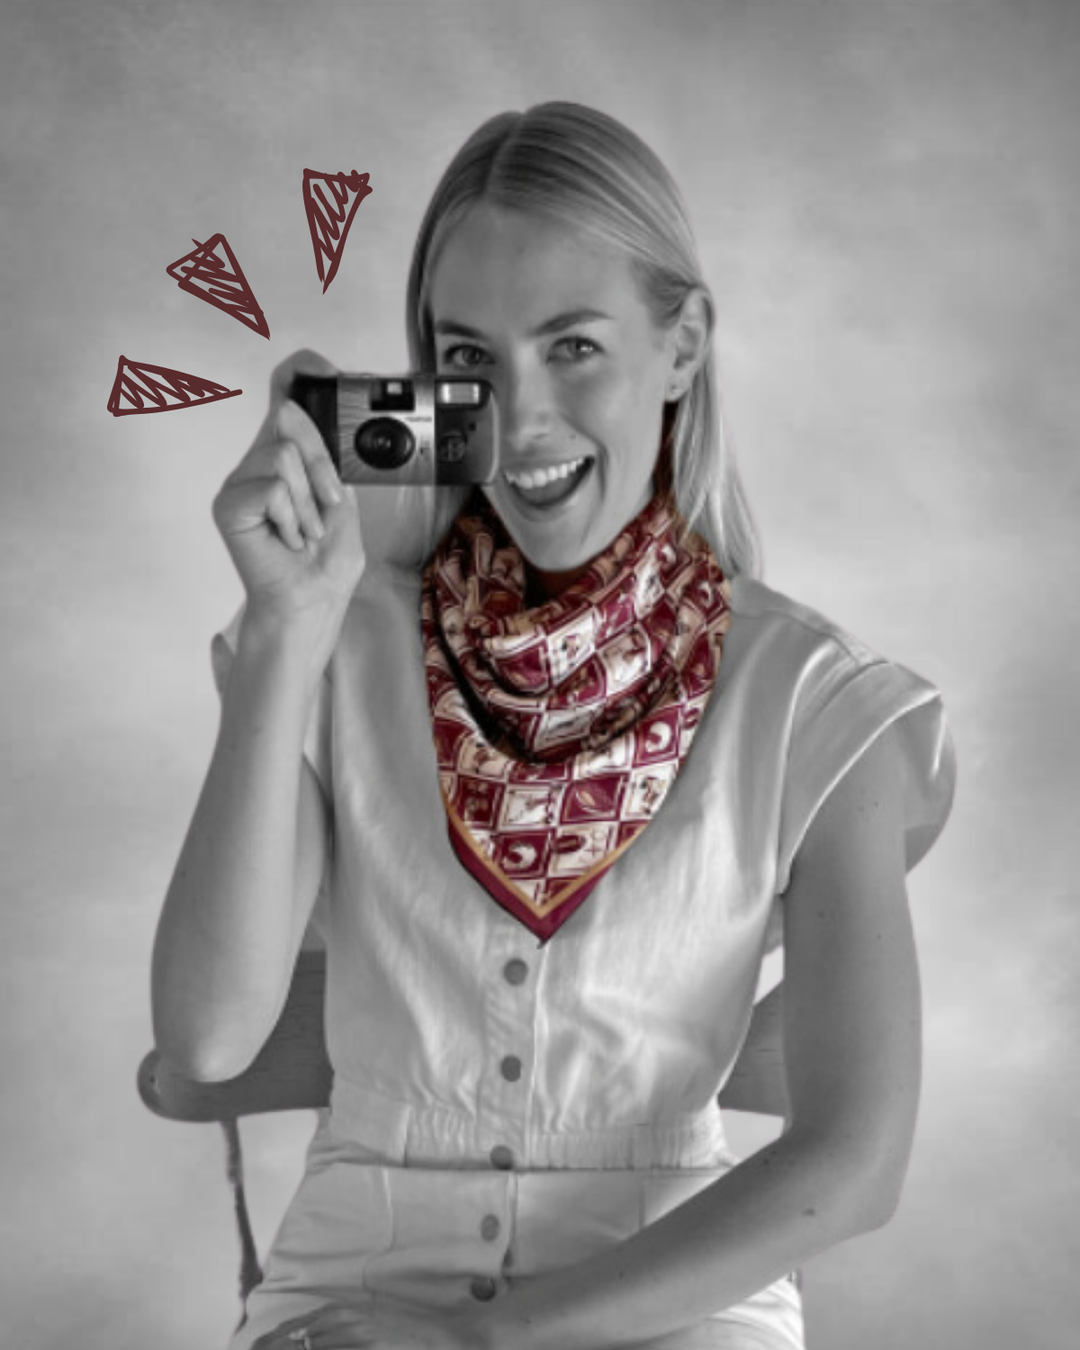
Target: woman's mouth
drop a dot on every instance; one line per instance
(550, 485)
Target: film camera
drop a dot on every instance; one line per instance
(417, 429)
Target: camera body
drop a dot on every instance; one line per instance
(419, 429)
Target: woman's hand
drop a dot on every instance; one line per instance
(382, 1324)
(291, 527)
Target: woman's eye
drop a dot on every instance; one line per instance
(465, 356)
(576, 348)
(572, 350)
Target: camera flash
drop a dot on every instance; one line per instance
(449, 394)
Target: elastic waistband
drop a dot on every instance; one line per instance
(399, 1133)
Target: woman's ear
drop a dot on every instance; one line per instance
(688, 342)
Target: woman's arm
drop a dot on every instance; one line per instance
(250, 867)
(249, 871)
(851, 1029)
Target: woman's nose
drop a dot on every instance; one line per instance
(526, 411)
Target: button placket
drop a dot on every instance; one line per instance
(515, 972)
(510, 1010)
(506, 1081)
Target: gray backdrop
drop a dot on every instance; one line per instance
(886, 201)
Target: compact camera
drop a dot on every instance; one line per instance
(416, 429)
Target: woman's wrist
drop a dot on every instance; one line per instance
(299, 642)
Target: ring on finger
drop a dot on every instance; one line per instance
(302, 1337)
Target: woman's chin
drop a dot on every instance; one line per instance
(551, 545)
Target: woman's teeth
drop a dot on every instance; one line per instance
(537, 478)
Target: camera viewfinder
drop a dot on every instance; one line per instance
(393, 396)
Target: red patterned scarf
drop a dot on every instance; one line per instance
(559, 728)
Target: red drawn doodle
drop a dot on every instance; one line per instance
(141, 385)
(327, 219)
(220, 281)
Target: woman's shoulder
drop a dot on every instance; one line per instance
(810, 674)
(771, 617)
(828, 696)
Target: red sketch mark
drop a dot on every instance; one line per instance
(156, 385)
(325, 217)
(220, 281)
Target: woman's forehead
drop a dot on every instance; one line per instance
(497, 262)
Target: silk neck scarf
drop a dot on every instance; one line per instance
(559, 728)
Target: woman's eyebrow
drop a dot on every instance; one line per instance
(565, 320)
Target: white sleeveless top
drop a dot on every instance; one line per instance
(467, 1055)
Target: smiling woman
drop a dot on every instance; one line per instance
(581, 374)
(561, 165)
(549, 792)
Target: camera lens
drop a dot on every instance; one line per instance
(384, 443)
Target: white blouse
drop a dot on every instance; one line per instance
(473, 1064)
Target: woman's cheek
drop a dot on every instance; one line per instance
(596, 408)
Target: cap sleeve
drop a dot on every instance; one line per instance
(317, 736)
(848, 699)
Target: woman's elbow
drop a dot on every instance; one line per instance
(200, 1058)
(859, 1177)
(211, 1064)
(881, 1184)
(203, 1046)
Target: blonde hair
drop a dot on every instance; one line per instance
(573, 164)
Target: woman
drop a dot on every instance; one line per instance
(558, 779)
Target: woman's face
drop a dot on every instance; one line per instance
(555, 322)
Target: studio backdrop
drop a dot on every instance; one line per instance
(886, 206)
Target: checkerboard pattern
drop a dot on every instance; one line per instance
(560, 728)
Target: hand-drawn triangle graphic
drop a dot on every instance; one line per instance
(219, 280)
(141, 385)
(326, 196)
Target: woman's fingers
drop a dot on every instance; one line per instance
(283, 484)
(283, 514)
(283, 1337)
(328, 1328)
(289, 466)
(295, 425)
(297, 460)
(291, 527)
(289, 446)
(302, 362)
(255, 503)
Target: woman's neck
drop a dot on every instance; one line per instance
(543, 586)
